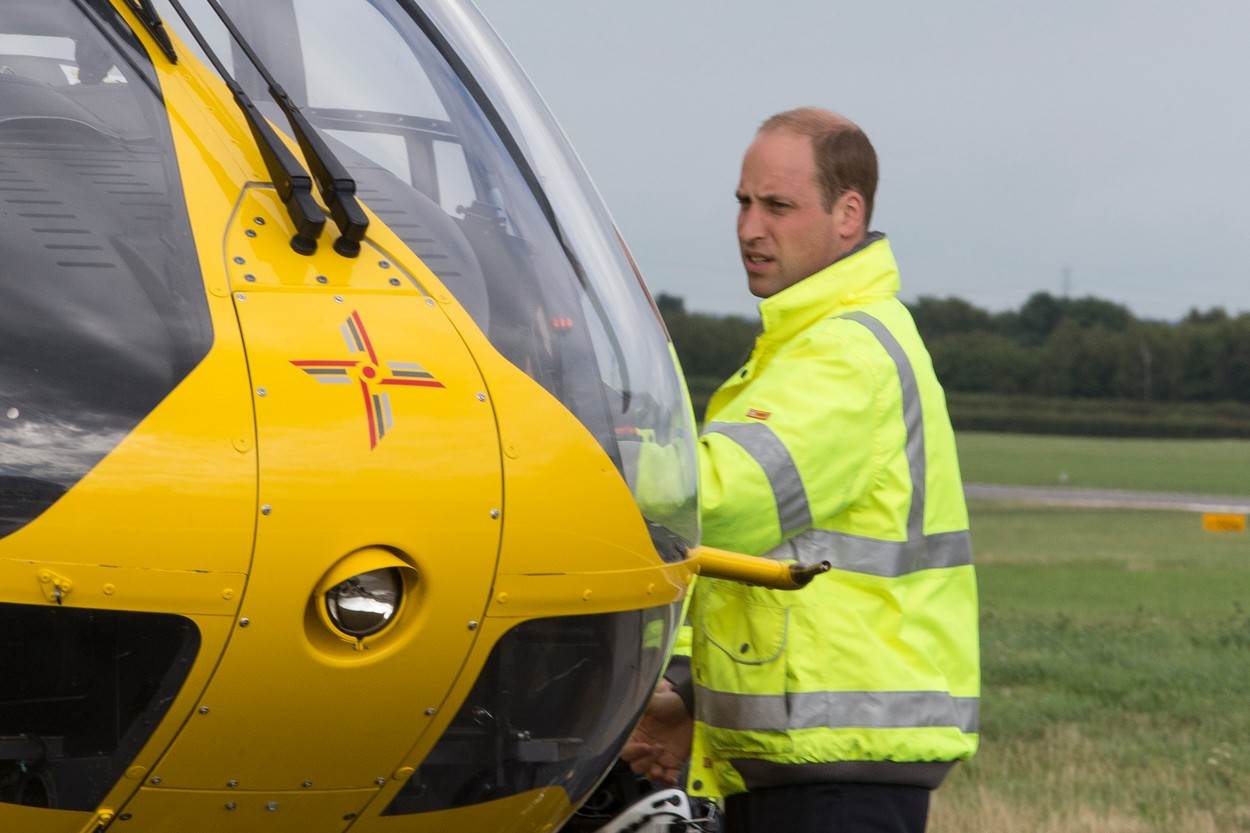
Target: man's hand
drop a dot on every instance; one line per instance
(660, 745)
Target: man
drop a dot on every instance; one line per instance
(840, 706)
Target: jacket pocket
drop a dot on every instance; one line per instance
(741, 671)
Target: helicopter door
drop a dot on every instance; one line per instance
(375, 441)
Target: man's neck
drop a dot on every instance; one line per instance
(865, 240)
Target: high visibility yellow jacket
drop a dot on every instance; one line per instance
(833, 443)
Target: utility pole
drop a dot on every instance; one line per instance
(1067, 280)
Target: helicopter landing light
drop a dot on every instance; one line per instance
(366, 603)
(363, 594)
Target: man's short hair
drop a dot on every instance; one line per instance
(845, 159)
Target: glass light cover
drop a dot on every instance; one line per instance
(364, 604)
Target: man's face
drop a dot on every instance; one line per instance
(784, 232)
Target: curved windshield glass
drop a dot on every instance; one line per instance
(452, 149)
(80, 693)
(537, 717)
(102, 305)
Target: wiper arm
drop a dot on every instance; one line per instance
(337, 186)
(293, 183)
(151, 20)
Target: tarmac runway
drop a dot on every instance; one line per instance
(1109, 498)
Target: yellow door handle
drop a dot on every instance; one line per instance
(752, 569)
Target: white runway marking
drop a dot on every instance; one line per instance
(1109, 498)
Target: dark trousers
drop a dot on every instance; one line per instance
(829, 808)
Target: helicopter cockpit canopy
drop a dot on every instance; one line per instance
(102, 305)
(454, 151)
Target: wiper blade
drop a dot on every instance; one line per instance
(337, 186)
(292, 182)
(151, 20)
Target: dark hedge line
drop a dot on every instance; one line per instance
(1055, 366)
(1081, 348)
(1071, 417)
(1098, 418)
(1086, 348)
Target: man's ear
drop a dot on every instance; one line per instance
(848, 214)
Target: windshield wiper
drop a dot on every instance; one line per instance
(151, 20)
(337, 186)
(292, 182)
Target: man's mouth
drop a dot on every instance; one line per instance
(756, 262)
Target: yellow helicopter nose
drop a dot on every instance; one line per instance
(387, 531)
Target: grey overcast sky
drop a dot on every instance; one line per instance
(1109, 137)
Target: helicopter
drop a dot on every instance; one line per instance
(347, 474)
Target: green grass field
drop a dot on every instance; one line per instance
(1116, 656)
(1203, 466)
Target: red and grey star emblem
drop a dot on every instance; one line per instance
(368, 373)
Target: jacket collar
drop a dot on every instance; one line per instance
(866, 273)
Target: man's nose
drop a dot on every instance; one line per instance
(750, 226)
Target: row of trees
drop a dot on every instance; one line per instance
(1050, 346)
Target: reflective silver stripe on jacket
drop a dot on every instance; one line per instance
(836, 709)
(873, 556)
(913, 418)
(758, 774)
(759, 441)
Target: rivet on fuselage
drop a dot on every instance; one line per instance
(244, 622)
(272, 806)
(203, 709)
(306, 784)
(230, 805)
(232, 783)
(472, 624)
(261, 392)
(380, 781)
(250, 232)
(494, 513)
(266, 509)
(431, 711)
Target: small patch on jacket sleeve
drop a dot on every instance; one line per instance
(755, 413)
